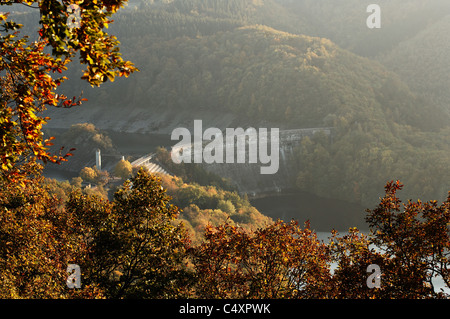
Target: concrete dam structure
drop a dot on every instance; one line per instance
(151, 165)
(246, 174)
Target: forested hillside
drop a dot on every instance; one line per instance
(344, 22)
(423, 62)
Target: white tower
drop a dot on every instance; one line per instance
(98, 159)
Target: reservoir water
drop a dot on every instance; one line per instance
(324, 214)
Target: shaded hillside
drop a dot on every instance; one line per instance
(344, 21)
(258, 74)
(423, 62)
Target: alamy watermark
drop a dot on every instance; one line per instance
(374, 20)
(74, 18)
(229, 149)
(374, 280)
(74, 278)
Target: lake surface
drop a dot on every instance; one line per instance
(324, 214)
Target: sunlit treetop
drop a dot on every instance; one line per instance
(29, 76)
(78, 26)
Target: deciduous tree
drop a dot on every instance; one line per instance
(123, 169)
(278, 261)
(414, 238)
(36, 244)
(133, 249)
(30, 76)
